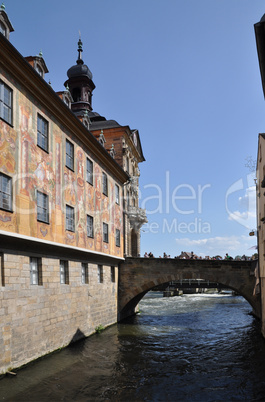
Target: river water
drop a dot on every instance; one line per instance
(204, 347)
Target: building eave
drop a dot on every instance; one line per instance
(34, 246)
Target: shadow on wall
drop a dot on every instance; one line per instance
(77, 336)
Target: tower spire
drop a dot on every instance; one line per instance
(80, 50)
(80, 83)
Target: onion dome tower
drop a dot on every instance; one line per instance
(80, 85)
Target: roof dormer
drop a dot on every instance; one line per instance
(5, 24)
(66, 97)
(38, 63)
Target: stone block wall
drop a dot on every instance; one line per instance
(38, 319)
(139, 275)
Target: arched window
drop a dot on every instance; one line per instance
(39, 70)
(3, 28)
(77, 94)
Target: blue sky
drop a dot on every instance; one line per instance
(184, 73)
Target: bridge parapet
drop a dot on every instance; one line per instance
(139, 275)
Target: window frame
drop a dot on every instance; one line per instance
(42, 135)
(3, 28)
(6, 106)
(100, 273)
(90, 226)
(42, 210)
(5, 195)
(105, 184)
(35, 271)
(112, 274)
(118, 238)
(69, 154)
(64, 272)
(84, 273)
(89, 172)
(105, 232)
(117, 194)
(39, 70)
(69, 218)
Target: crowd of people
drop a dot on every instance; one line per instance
(190, 255)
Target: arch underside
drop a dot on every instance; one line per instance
(240, 285)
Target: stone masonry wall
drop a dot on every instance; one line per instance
(38, 319)
(139, 275)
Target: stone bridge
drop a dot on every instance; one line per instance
(139, 275)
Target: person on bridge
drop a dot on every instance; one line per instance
(227, 257)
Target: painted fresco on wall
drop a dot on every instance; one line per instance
(69, 187)
(45, 171)
(80, 213)
(105, 209)
(8, 140)
(97, 216)
(25, 119)
(44, 175)
(90, 201)
(37, 174)
(98, 188)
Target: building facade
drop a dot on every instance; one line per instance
(260, 184)
(62, 217)
(126, 147)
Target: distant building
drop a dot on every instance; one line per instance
(64, 223)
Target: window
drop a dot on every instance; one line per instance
(70, 218)
(89, 171)
(100, 274)
(118, 238)
(105, 183)
(117, 194)
(5, 102)
(64, 272)
(127, 165)
(5, 192)
(42, 207)
(69, 155)
(76, 94)
(2, 28)
(112, 274)
(90, 228)
(39, 70)
(42, 140)
(35, 271)
(84, 272)
(105, 232)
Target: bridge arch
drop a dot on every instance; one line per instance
(139, 275)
